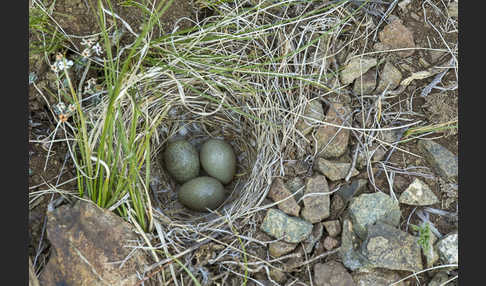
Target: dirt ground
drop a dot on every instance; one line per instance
(77, 17)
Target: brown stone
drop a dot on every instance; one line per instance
(312, 110)
(332, 273)
(396, 36)
(316, 206)
(333, 227)
(330, 243)
(279, 191)
(334, 170)
(279, 248)
(332, 141)
(89, 244)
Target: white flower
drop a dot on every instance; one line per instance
(86, 53)
(97, 49)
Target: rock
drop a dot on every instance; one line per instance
(337, 206)
(316, 206)
(349, 251)
(391, 248)
(396, 36)
(279, 248)
(377, 277)
(418, 194)
(278, 275)
(278, 191)
(390, 78)
(356, 187)
(332, 142)
(332, 273)
(313, 110)
(315, 236)
(365, 84)
(453, 9)
(296, 185)
(330, 243)
(439, 279)
(291, 229)
(355, 68)
(442, 160)
(367, 209)
(447, 247)
(334, 170)
(333, 227)
(87, 243)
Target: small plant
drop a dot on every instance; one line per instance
(424, 234)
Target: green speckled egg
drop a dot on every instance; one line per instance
(218, 160)
(201, 193)
(181, 160)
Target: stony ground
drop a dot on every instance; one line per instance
(342, 219)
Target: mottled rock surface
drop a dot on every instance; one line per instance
(448, 248)
(391, 248)
(418, 193)
(349, 251)
(334, 170)
(390, 78)
(443, 161)
(279, 248)
(87, 242)
(317, 200)
(279, 191)
(333, 227)
(330, 243)
(291, 229)
(396, 36)
(367, 209)
(355, 68)
(333, 141)
(332, 273)
(377, 277)
(314, 237)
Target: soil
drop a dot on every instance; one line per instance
(77, 18)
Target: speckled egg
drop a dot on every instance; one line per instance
(218, 160)
(202, 193)
(181, 160)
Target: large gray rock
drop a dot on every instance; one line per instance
(333, 141)
(391, 248)
(291, 229)
(367, 209)
(317, 203)
(349, 252)
(334, 170)
(418, 193)
(88, 242)
(443, 161)
(332, 273)
(279, 191)
(355, 68)
(377, 277)
(448, 248)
